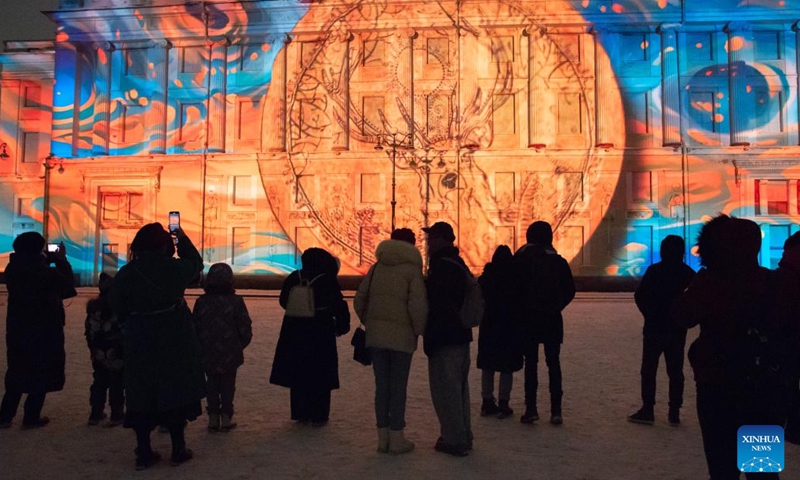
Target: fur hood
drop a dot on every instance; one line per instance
(396, 252)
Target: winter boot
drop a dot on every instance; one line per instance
(383, 440)
(504, 410)
(117, 417)
(531, 415)
(213, 422)
(226, 424)
(398, 443)
(644, 416)
(96, 416)
(489, 407)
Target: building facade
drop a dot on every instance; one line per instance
(274, 126)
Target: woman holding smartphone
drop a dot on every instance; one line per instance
(164, 380)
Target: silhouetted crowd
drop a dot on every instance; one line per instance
(154, 359)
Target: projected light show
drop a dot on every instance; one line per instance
(275, 126)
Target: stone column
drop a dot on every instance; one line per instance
(273, 131)
(670, 87)
(603, 78)
(102, 105)
(216, 95)
(740, 100)
(405, 75)
(341, 115)
(157, 118)
(536, 137)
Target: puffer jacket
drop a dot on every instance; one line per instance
(391, 300)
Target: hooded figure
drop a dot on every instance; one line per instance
(34, 327)
(392, 304)
(224, 330)
(733, 300)
(306, 360)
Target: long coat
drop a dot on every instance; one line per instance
(35, 323)
(306, 355)
(499, 343)
(162, 354)
(391, 300)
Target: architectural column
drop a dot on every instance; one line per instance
(603, 78)
(739, 99)
(796, 29)
(468, 83)
(405, 75)
(341, 115)
(216, 95)
(157, 118)
(102, 95)
(670, 87)
(273, 127)
(535, 134)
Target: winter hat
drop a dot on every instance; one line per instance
(441, 230)
(29, 243)
(105, 283)
(219, 275)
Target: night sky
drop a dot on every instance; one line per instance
(23, 20)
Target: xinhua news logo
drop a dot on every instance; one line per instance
(760, 448)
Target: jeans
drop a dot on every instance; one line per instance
(487, 385)
(551, 356)
(391, 379)
(448, 371)
(221, 388)
(672, 347)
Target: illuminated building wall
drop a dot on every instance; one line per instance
(619, 122)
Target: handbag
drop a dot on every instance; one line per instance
(360, 351)
(359, 341)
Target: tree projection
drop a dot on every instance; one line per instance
(275, 126)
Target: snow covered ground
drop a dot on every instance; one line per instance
(600, 361)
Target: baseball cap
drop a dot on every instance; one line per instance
(441, 230)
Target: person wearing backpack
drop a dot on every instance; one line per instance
(446, 341)
(392, 304)
(306, 359)
(733, 301)
(545, 287)
(499, 346)
(662, 283)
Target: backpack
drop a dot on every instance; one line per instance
(762, 360)
(301, 298)
(471, 311)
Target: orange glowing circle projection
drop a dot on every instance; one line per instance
(482, 125)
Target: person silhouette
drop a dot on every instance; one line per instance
(663, 282)
(731, 299)
(546, 287)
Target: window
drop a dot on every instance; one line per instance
(374, 53)
(136, 62)
(771, 197)
(191, 59)
(502, 49)
(438, 50)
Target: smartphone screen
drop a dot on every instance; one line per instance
(52, 247)
(174, 221)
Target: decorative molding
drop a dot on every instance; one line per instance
(112, 171)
